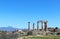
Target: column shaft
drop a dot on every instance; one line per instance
(33, 27)
(28, 26)
(38, 26)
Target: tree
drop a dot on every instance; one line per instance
(56, 28)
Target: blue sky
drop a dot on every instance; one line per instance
(17, 13)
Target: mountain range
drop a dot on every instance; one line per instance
(9, 28)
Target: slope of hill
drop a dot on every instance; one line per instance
(9, 28)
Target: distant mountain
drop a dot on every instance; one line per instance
(9, 28)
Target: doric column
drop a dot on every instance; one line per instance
(28, 26)
(45, 24)
(42, 24)
(33, 27)
(37, 25)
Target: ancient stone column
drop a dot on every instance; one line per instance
(45, 24)
(37, 25)
(42, 24)
(33, 27)
(28, 26)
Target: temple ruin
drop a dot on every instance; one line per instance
(40, 24)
